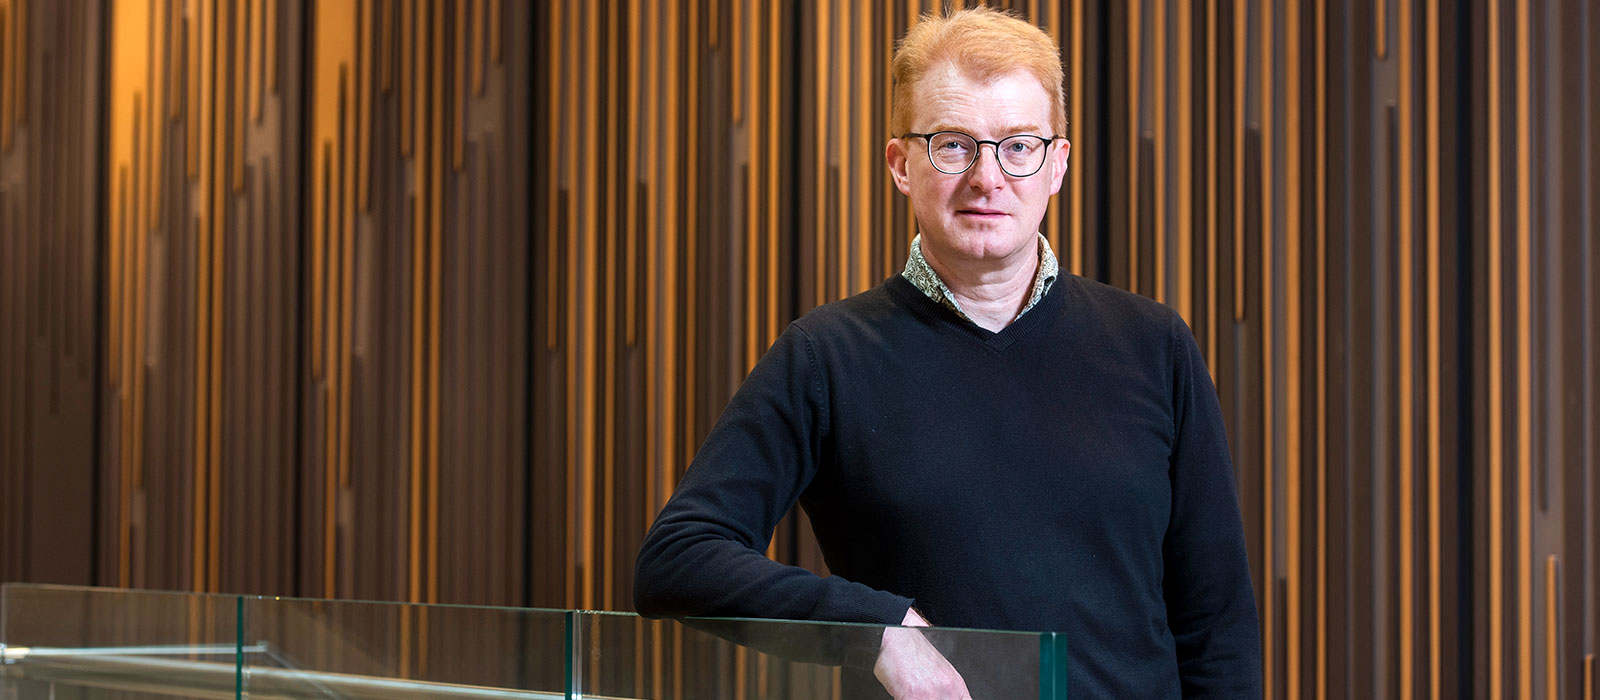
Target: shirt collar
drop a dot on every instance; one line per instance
(921, 275)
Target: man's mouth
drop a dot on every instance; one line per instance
(981, 212)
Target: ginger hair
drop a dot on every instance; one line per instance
(983, 43)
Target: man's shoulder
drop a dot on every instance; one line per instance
(874, 306)
(1117, 306)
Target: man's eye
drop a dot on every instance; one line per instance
(952, 146)
(1019, 147)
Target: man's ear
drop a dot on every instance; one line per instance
(895, 154)
(1058, 164)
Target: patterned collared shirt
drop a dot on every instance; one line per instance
(920, 274)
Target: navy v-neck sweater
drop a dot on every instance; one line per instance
(1069, 473)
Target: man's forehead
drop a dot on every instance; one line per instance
(947, 98)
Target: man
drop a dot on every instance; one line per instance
(983, 440)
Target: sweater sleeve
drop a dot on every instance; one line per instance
(705, 554)
(1210, 604)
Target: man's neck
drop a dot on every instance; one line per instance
(990, 295)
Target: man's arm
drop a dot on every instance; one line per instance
(705, 554)
(1210, 605)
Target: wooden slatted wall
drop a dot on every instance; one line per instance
(425, 300)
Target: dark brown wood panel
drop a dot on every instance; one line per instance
(433, 301)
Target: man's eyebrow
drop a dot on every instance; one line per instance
(1008, 131)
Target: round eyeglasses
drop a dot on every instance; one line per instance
(953, 152)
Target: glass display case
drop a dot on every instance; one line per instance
(61, 642)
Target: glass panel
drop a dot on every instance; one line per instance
(342, 649)
(64, 642)
(70, 642)
(712, 659)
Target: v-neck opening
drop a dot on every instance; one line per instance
(995, 341)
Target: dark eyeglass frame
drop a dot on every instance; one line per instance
(978, 150)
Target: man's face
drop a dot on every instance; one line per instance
(982, 215)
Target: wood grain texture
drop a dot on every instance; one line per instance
(419, 300)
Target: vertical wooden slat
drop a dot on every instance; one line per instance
(236, 119)
(7, 71)
(22, 29)
(409, 35)
(194, 36)
(226, 88)
(175, 56)
(1078, 117)
(1184, 150)
(669, 258)
(475, 49)
(273, 19)
(199, 490)
(497, 30)
(591, 213)
(1588, 677)
(691, 256)
(841, 121)
(824, 50)
(1432, 286)
(363, 116)
(1134, 29)
(1323, 423)
(773, 117)
(1380, 29)
(1406, 285)
(115, 360)
(631, 261)
(1524, 435)
(1269, 408)
(1496, 406)
(1292, 315)
(750, 231)
(1240, 45)
(386, 56)
(572, 420)
(737, 83)
(1213, 187)
(1552, 631)
(153, 128)
(861, 156)
(256, 34)
(656, 493)
(609, 391)
(435, 193)
(1159, 164)
(458, 85)
(412, 43)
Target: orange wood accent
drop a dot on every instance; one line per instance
(1431, 201)
(435, 193)
(256, 33)
(1524, 232)
(1552, 630)
(1293, 354)
(363, 113)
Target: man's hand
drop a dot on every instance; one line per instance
(911, 669)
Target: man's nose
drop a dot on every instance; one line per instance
(985, 173)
